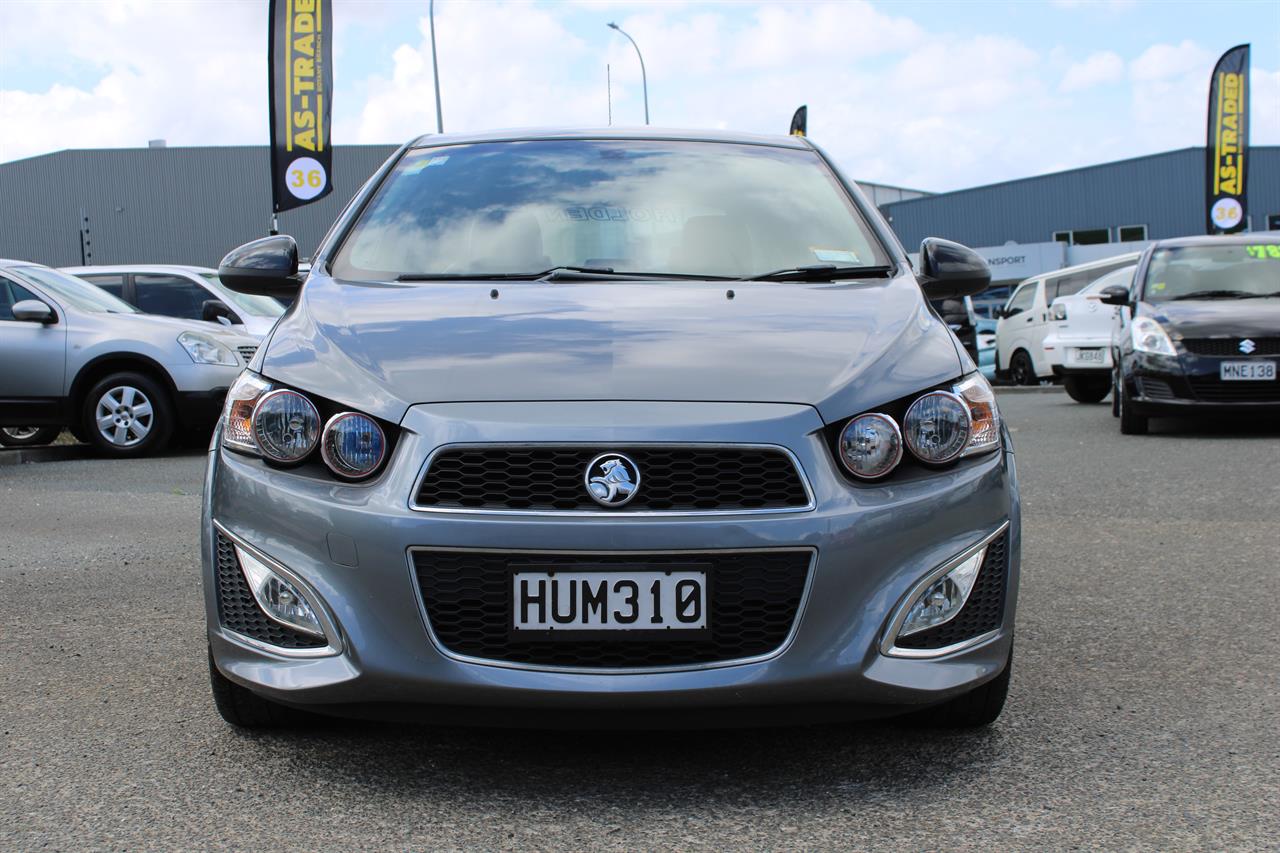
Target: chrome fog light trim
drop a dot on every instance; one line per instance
(888, 642)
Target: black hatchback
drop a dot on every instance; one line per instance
(1199, 332)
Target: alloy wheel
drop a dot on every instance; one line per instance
(124, 415)
(20, 433)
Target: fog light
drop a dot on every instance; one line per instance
(278, 597)
(943, 598)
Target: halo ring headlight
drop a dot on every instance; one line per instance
(286, 426)
(937, 427)
(353, 445)
(870, 446)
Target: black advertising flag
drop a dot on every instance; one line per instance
(300, 68)
(1227, 148)
(800, 121)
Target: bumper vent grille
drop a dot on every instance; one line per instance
(753, 601)
(1230, 347)
(247, 353)
(239, 611)
(672, 479)
(983, 612)
(1154, 389)
(1211, 389)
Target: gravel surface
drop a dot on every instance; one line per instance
(1144, 711)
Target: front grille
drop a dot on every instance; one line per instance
(239, 611)
(1211, 389)
(1231, 346)
(247, 352)
(672, 478)
(1154, 389)
(753, 599)
(983, 612)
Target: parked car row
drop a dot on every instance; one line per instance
(1189, 326)
(120, 380)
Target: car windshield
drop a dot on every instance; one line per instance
(1122, 277)
(654, 207)
(1226, 271)
(258, 306)
(76, 292)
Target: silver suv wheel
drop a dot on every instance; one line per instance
(20, 433)
(124, 416)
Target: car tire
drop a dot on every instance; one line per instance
(1115, 393)
(245, 709)
(1131, 423)
(975, 709)
(28, 436)
(1022, 371)
(1086, 389)
(127, 415)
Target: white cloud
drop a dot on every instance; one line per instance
(1165, 61)
(1102, 67)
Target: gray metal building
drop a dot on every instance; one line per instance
(1145, 198)
(175, 205)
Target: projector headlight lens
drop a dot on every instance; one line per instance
(286, 426)
(353, 445)
(937, 427)
(871, 446)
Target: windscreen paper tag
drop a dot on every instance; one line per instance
(835, 256)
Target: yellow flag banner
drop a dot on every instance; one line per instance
(1227, 149)
(300, 68)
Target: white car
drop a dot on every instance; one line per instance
(1078, 346)
(1025, 321)
(172, 290)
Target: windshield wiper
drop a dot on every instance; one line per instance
(820, 272)
(502, 276)
(1212, 294)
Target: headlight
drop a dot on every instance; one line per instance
(943, 598)
(353, 445)
(278, 597)
(1150, 336)
(937, 427)
(871, 446)
(286, 426)
(205, 350)
(984, 417)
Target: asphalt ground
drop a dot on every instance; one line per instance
(1144, 711)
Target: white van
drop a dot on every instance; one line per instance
(1025, 319)
(1078, 345)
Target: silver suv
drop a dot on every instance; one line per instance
(122, 381)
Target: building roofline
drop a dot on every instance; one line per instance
(1062, 172)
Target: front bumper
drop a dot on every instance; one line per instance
(1189, 384)
(352, 544)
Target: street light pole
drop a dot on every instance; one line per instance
(435, 66)
(644, 80)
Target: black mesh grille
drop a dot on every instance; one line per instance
(1231, 346)
(1154, 389)
(1213, 390)
(983, 612)
(676, 479)
(753, 600)
(239, 612)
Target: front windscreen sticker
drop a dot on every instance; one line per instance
(1264, 251)
(835, 256)
(1158, 286)
(424, 163)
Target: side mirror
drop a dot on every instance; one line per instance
(1116, 294)
(217, 311)
(34, 311)
(999, 313)
(951, 271)
(265, 267)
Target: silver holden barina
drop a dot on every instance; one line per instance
(610, 428)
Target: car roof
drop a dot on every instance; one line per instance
(9, 263)
(622, 133)
(138, 268)
(1213, 239)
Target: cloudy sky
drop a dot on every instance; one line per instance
(929, 95)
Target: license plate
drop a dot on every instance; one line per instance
(1247, 370)
(1089, 356)
(553, 601)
